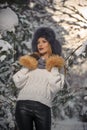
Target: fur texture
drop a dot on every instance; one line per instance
(54, 61)
(32, 62)
(29, 62)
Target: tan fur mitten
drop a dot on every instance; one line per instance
(54, 61)
(28, 61)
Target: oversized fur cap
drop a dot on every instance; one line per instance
(49, 35)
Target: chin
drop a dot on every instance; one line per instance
(42, 52)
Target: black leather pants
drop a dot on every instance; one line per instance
(31, 113)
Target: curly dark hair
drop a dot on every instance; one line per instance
(49, 35)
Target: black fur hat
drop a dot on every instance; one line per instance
(49, 35)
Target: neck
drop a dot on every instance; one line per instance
(45, 56)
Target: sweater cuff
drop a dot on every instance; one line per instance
(55, 71)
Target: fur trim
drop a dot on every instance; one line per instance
(54, 61)
(29, 62)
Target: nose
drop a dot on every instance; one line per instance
(40, 44)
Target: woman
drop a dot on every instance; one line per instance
(39, 80)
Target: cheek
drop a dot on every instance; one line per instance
(46, 47)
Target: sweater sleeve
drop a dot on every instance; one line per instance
(20, 78)
(56, 80)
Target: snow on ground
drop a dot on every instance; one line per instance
(69, 125)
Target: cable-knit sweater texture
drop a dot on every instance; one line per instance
(38, 84)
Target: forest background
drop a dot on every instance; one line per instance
(18, 21)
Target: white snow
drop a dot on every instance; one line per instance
(69, 125)
(81, 49)
(4, 47)
(2, 57)
(8, 19)
(27, 43)
(83, 11)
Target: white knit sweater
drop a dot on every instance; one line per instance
(39, 84)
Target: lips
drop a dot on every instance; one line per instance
(41, 49)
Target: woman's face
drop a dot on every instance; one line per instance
(43, 46)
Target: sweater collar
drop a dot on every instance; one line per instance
(41, 63)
